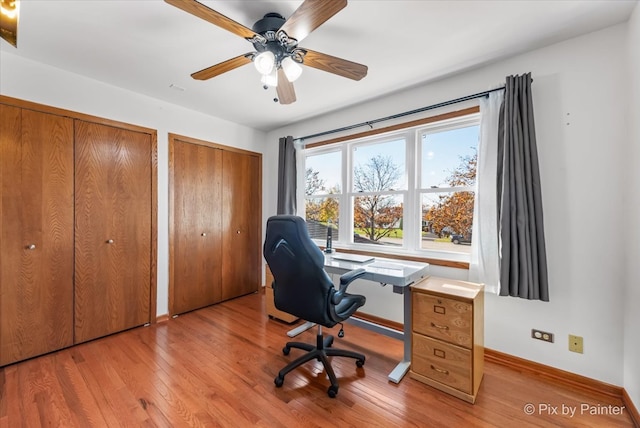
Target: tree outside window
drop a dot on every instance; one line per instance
(412, 189)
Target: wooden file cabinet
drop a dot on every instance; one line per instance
(271, 307)
(448, 336)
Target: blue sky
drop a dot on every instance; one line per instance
(441, 153)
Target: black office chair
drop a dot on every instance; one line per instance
(302, 288)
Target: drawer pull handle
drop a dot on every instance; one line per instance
(439, 370)
(440, 327)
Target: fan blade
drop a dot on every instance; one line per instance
(335, 65)
(222, 67)
(309, 16)
(210, 15)
(286, 93)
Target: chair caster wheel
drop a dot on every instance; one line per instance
(279, 380)
(332, 391)
(360, 363)
(286, 350)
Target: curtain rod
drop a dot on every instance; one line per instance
(406, 113)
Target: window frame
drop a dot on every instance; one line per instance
(412, 190)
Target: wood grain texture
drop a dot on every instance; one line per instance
(196, 233)
(309, 16)
(443, 318)
(201, 11)
(36, 285)
(286, 92)
(241, 219)
(331, 64)
(220, 68)
(215, 367)
(113, 203)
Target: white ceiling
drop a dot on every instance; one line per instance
(148, 45)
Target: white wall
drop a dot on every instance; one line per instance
(632, 208)
(580, 102)
(32, 81)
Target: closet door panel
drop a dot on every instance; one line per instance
(36, 217)
(196, 258)
(113, 229)
(241, 224)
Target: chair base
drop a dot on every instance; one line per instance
(320, 352)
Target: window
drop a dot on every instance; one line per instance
(408, 191)
(323, 193)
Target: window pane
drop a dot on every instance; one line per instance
(322, 213)
(379, 167)
(449, 157)
(447, 220)
(377, 220)
(323, 174)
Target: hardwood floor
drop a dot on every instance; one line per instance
(215, 367)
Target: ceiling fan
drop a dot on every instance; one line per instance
(277, 55)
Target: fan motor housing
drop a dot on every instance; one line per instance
(270, 22)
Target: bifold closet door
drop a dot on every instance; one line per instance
(241, 240)
(113, 199)
(196, 257)
(36, 227)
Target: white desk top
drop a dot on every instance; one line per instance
(388, 271)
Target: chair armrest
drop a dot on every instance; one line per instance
(351, 276)
(345, 280)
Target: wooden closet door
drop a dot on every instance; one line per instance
(36, 244)
(241, 203)
(112, 230)
(196, 257)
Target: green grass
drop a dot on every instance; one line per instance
(395, 233)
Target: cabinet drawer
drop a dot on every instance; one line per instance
(442, 318)
(443, 362)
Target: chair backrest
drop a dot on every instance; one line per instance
(301, 285)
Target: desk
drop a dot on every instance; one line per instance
(398, 273)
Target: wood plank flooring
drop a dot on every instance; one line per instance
(215, 367)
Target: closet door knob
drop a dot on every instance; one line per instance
(31, 247)
(110, 241)
(238, 232)
(203, 234)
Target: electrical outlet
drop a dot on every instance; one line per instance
(542, 335)
(575, 344)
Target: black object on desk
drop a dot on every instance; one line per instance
(328, 248)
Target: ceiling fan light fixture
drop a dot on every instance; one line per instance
(270, 79)
(291, 69)
(265, 62)
(9, 12)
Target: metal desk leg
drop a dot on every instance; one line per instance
(301, 328)
(403, 367)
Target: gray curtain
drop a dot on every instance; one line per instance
(287, 176)
(523, 259)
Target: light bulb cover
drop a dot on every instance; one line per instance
(291, 69)
(270, 79)
(264, 62)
